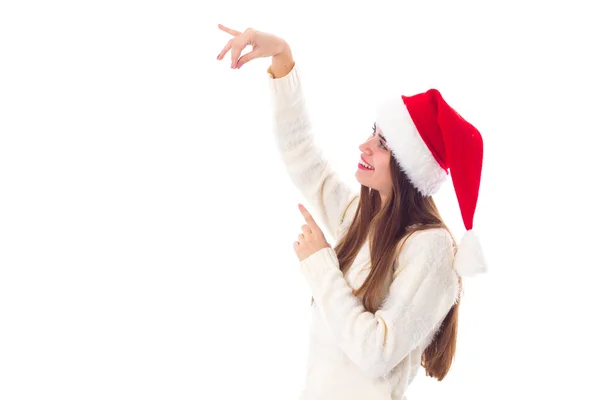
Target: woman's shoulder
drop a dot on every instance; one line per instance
(435, 234)
(428, 243)
(429, 250)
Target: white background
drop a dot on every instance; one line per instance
(146, 221)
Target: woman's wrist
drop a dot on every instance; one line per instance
(282, 63)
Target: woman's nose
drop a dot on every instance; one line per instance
(365, 148)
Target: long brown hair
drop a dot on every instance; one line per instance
(405, 212)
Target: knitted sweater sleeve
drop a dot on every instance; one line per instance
(326, 194)
(422, 292)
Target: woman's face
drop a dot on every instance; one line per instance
(377, 174)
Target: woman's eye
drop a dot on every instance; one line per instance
(381, 144)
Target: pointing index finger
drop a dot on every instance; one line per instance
(230, 31)
(308, 218)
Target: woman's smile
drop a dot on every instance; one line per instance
(364, 165)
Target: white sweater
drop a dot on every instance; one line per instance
(356, 354)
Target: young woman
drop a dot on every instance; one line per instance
(386, 298)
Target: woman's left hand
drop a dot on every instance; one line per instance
(311, 239)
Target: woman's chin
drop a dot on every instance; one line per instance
(358, 177)
(362, 181)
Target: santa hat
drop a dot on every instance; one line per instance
(427, 138)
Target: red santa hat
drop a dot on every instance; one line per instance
(427, 138)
